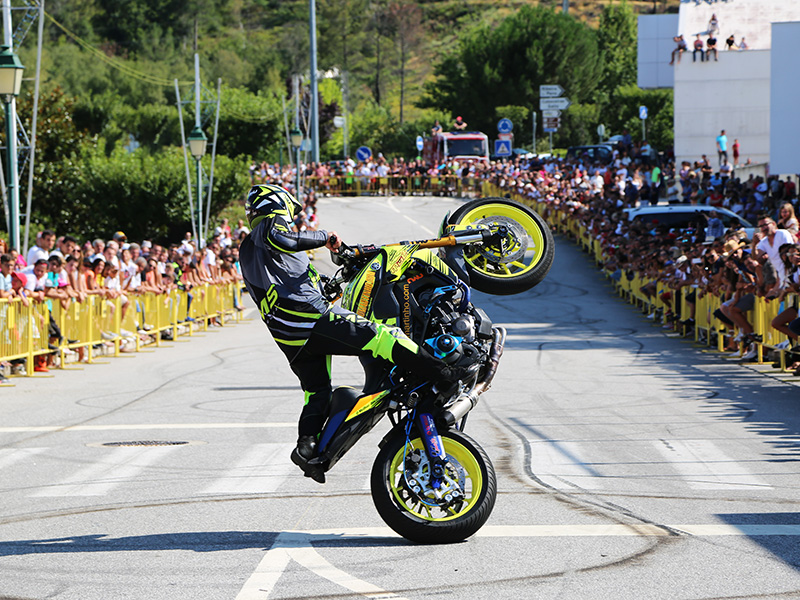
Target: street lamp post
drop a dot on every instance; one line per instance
(10, 81)
(297, 139)
(197, 147)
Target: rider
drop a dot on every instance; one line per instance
(287, 290)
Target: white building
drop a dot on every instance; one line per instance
(753, 94)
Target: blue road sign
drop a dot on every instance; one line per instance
(642, 112)
(363, 153)
(502, 147)
(505, 126)
(419, 143)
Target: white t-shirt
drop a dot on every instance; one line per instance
(32, 282)
(782, 237)
(36, 253)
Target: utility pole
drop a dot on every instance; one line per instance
(314, 134)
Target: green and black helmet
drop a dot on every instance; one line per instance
(267, 199)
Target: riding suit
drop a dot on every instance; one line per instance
(287, 290)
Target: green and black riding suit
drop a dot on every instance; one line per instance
(287, 290)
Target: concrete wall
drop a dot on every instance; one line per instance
(731, 94)
(654, 49)
(785, 95)
(751, 19)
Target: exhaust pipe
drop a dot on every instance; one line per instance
(467, 401)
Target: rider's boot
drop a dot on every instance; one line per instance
(305, 451)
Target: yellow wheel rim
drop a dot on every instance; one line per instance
(533, 253)
(457, 456)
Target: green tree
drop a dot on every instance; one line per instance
(624, 114)
(617, 40)
(506, 65)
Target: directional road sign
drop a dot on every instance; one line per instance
(642, 112)
(420, 143)
(554, 103)
(363, 153)
(552, 123)
(550, 91)
(502, 147)
(505, 126)
(551, 114)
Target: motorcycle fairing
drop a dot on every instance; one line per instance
(366, 403)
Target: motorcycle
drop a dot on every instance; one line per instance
(430, 482)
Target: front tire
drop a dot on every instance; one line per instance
(527, 252)
(417, 515)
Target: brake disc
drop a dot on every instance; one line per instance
(514, 244)
(418, 480)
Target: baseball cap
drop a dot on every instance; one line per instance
(120, 236)
(21, 276)
(147, 244)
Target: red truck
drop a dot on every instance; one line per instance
(462, 145)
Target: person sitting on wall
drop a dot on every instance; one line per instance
(698, 47)
(711, 46)
(680, 49)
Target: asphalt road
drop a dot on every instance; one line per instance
(631, 465)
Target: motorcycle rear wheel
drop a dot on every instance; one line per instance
(528, 249)
(415, 515)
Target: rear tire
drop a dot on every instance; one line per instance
(529, 250)
(415, 516)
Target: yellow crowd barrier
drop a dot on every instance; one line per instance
(361, 185)
(674, 306)
(85, 327)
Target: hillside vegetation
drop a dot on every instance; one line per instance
(391, 66)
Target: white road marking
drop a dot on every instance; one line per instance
(9, 456)
(98, 478)
(261, 470)
(559, 463)
(298, 546)
(145, 426)
(390, 203)
(705, 467)
(584, 530)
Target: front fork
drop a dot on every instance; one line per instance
(434, 447)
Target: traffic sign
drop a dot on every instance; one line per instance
(551, 114)
(554, 103)
(363, 153)
(420, 143)
(505, 126)
(502, 147)
(550, 91)
(552, 124)
(505, 136)
(642, 112)
(338, 121)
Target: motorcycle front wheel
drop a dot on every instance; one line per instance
(520, 261)
(407, 501)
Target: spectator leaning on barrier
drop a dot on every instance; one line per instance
(770, 245)
(6, 266)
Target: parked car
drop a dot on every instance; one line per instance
(686, 216)
(602, 153)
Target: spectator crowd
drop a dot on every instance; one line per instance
(64, 269)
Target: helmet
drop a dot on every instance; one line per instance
(266, 200)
